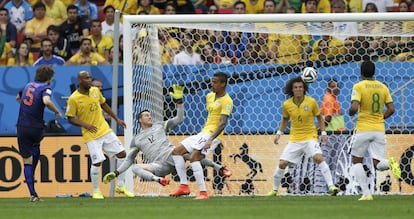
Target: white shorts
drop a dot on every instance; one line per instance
(371, 142)
(109, 143)
(294, 151)
(197, 142)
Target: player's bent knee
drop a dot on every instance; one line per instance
(283, 164)
(356, 160)
(180, 150)
(318, 158)
(121, 154)
(196, 157)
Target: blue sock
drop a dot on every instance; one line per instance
(35, 157)
(28, 175)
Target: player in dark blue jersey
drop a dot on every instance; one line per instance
(30, 125)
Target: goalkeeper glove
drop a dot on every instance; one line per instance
(109, 177)
(178, 93)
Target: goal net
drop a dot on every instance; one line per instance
(260, 53)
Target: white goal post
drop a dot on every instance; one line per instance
(146, 80)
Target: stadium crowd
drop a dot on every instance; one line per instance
(26, 24)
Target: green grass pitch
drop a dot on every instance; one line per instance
(306, 207)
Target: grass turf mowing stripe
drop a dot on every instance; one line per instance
(307, 207)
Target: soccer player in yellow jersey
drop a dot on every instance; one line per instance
(219, 106)
(369, 97)
(301, 110)
(84, 109)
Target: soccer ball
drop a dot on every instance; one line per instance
(309, 75)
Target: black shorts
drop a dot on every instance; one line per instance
(27, 138)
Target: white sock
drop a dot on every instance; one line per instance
(326, 172)
(361, 177)
(210, 163)
(383, 165)
(198, 174)
(121, 177)
(94, 171)
(277, 178)
(180, 168)
(144, 174)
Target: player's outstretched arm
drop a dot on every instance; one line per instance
(177, 95)
(108, 110)
(130, 158)
(50, 105)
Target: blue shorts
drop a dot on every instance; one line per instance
(27, 138)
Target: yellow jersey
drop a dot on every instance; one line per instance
(57, 12)
(168, 49)
(254, 8)
(290, 47)
(226, 3)
(30, 61)
(94, 57)
(7, 51)
(153, 10)
(216, 107)
(105, 44)
(38, 26)
(323, 6)
(302, 117)
(335, 47)
(124, 6)
(87, 108)
(372, 95)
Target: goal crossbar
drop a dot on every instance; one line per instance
(257, 18)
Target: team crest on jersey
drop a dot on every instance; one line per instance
(95, 95)
(306, 108)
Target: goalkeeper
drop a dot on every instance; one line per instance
(152, 141)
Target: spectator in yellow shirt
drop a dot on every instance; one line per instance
(254, 6)
(323, 6)
(290, 48)
(36, 28)
(56, 10)
(224, 4)
(100, 43)
(327, 48)
(353, 6)
(124, 6)
(169, 46)
(86, 56)
(21, 58)
(146, 5)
